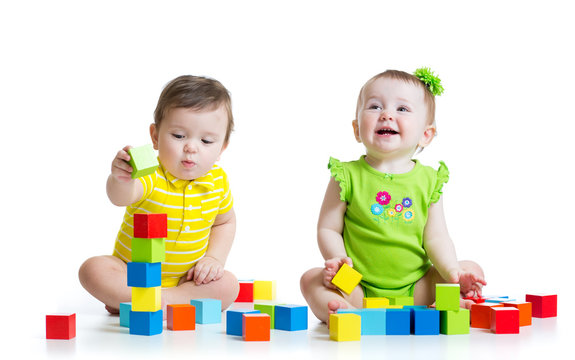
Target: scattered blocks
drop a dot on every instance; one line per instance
(291, 317)
(125, 309)
(397, 322)
(61, 326)
(146, 299)
(481, 315)
(148, 250)
(375, 302)
(525, 311)
(346, 279)
(256, 327)
(345, 327)
(544, 306)
(267, 309)
(246, 293)
(150, 226)
(208, 311)
(447, 297)
(505, 320)
(424, 321)
(234, 320)
(143, 161)
(454, 322)
(181, 317)
(264, 290)
(144, 275)
(146, 322)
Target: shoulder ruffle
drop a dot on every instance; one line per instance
(442, 178)
(337, 172)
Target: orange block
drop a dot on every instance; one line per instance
(481, 315)
(181, 317)
(525, 311)
(256, 327)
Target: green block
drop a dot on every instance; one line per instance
(400, 300)
(267, 309)
(454, 322)
(447, 297)
(148, 250)
(143, 160)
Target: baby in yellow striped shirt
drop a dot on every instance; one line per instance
(192, 125)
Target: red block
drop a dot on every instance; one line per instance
(481, 315)
(61, 326)
(505, 320)
(246, 293)
(256, 327)
(525, 311)
(477, 299)
(181, 317)
(544, 306)
(150, 226)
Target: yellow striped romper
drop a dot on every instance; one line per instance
(191, 205)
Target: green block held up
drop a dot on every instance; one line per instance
(143, 160)
(454, 322)
(148, 250)
(447, 297)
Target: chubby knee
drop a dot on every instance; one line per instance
(310, 277)
(92, 269)
(231, 287)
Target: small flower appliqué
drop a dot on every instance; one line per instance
(383, 198)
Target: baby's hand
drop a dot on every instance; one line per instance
(121, 170)
(206, 270)
(331, 268)
(470, 284)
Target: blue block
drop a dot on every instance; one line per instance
(125, 309)
(498, 300)
(234, 320)
(144, 275)
(208, 311)
(146, 323)
(398, 322)
(372, 320)
(425, 321)
(291, 317)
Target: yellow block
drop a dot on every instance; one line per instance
(146, 299)
(375, 302)
(264, 290)
(346, 279)
(345, 327)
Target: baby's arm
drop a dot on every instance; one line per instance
(122, 190)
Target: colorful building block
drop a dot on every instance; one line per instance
(61, 326)
(397, 322)
(256, 327)
(544, 305)
(454, 322)
(264, 290)
(525, 311)
(143, 160)
(346, 279)
(144, 275)
(146, 299)
(372, 320)
(345, 327)
(424, 321)
(146, 322)
(401, 300)
(375, 302)
(291, 317)
(481, 315)
(208, 311)
(498, 300)
(148, 250)
(125, 309)
(234, 320)
(505, 320)
(447, 297)
(246, 293)
(475, 299)
(150, 226)
(267, 309)
(181, 317)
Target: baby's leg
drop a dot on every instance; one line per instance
(323, 301)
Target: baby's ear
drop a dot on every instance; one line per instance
(355, 125)
(154, 135)
(427, 136)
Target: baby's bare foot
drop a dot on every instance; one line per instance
(333, 306)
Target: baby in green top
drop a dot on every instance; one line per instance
(383, 214)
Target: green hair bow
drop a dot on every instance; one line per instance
(430, 80)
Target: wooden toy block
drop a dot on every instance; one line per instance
(267, 309)
(454, 322)
(146, 299)
(346, 279)
(150, 226)
(481, 315)
(375, 302)
(291, 317)
(505, 320)
(398, 322)
(208, 311)
(125, 309)
(525, 311)
(345, 327)
(148, 250)
(256, 327)
(544, 305)
(264, 290)
(61, 326)
(447, 297)
(424, 321)
(143, 160)
(144, 275)
(400, 300)
(498, 300)
(234, 320)
(372, 320)
(246, 293)
(476, 299)
(146, 322)
(181, 317)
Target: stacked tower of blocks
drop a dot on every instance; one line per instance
(145, 273)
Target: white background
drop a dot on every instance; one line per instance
(79, 80)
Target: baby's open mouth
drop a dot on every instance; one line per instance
(386, 132)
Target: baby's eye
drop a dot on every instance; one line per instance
(206, 141)
(178, 136)
(374, 107)
(402, 109)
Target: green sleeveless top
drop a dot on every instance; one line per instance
(384, 222)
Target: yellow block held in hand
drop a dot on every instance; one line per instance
(346, 278)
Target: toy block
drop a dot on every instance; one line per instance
(291, 317)
(373, 321)
(345, 327)
(125, 309)
(424, 321)
(246, 293)
(146, 322)
(144, 275)
(400, 300)
(256, 327)
(264, 290)
(181, 317)
(143, 160)
(208, 311)
(148, 250)
(61, 326)
(375, 302)
(146, 299)
(267, 309)
(397, 322)
(498, 300)
(150, 226)
(544, 305)
(481, 315)
(505, 320)
(476, 299)
(454, 322)
(234, 320)
(525, 311)
(447, 297)
(346, 279)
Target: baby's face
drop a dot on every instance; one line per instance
(189, 142)
(392, 119)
